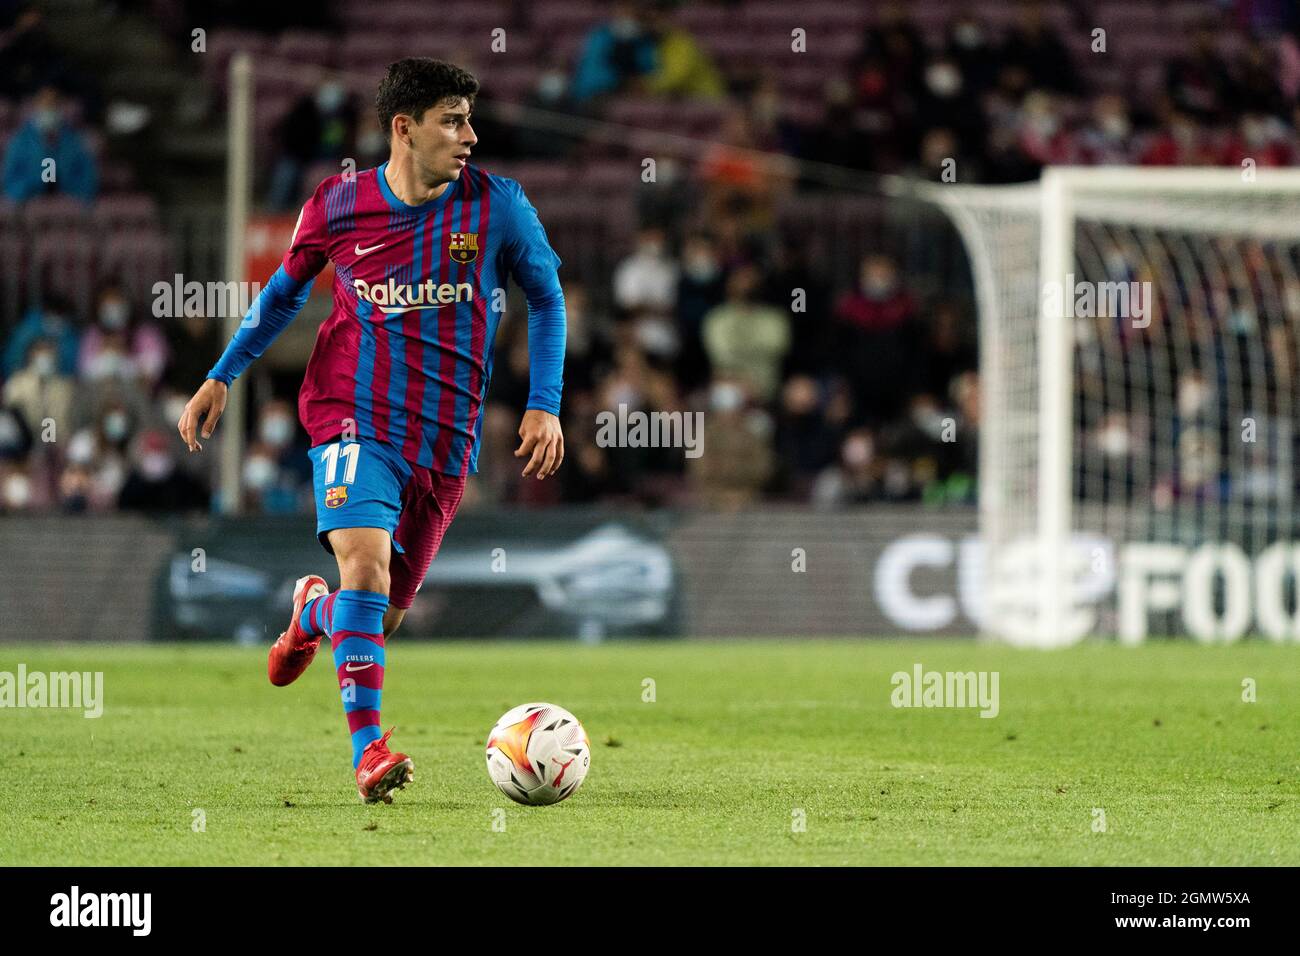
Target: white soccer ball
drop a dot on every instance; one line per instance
(538, 754)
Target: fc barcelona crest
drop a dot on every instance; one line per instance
(336, 496)
(463, 247)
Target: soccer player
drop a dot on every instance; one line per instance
(394, 390)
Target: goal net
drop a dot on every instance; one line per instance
(1138, 335)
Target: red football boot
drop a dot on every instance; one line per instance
(293, 650)
(382, 771)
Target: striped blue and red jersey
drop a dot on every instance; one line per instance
(405, 355)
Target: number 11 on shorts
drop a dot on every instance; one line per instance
(330, 458)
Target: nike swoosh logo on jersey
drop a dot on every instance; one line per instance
(357, 667)
(361, 252)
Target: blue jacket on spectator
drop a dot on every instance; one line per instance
(42, 324)
(75, 173)
(601, 68)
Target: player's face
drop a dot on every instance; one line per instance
(442, 140)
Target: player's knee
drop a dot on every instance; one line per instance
(364, 573)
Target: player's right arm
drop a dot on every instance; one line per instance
(275, 307)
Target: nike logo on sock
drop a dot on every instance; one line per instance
(357, 667)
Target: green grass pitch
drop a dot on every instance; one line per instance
(743, 740)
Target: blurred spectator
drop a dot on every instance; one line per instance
(1043, 137)
(701, 286)
(895, 39)
(947, 100)
(647, 279)
(25, 49)
(1199, 81)
(853, 138)
(854, 478)
(154, 483)
(15, 436)
(681, 68)
(615, 52)
(1105, 139)
(947, 351)
(51, 320)
(1179, 142)
(550, 92)
(587, 349)
(47, 155)
(38, 391)
(876, 330)
(17, 493)
(1260, 137)
(772, 129)
(321, 126)
(738, 177)
(746, 339)
(808, 432)
(791, 283)
(276, 470)
(194, 345)
(943, 160)
(737, 460)
(118, 339)
(973, 50)
(1035, 47)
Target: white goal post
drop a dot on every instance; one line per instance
(1138, 339)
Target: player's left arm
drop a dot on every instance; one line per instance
(535, 267)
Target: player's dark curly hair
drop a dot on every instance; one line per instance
(419, 83)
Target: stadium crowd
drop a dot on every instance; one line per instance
(866, 391)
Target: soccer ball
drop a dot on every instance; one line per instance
(538, 754)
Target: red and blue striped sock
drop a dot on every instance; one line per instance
(357, 636)
(318, 614)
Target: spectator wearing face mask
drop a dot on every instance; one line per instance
(647, 279)
(549, 92)
(277, 471)
(115, 425)
(747, 339)
(1107, 138)
(38, 391)
(267, 487)
(115, 340)
(48, 321)
(947, 100)
(47, 136)
(875, 325)
(974, 51)
(18, 493)
(154, 483)
(93, 476)
(1042, 136)
(700, 287)
(855, 478)
(283, 441)
(736, 461)
(613, 54)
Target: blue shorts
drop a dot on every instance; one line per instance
(366, 483)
